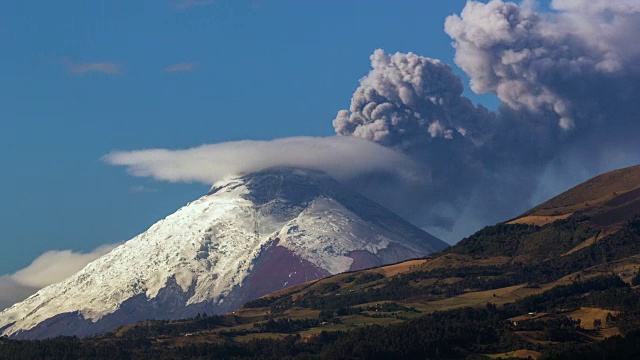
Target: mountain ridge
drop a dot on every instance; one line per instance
(596, 191)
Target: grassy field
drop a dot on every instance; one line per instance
(403, 267)
(539, 220)
(581, 246)
(588, 315)
(245, 318)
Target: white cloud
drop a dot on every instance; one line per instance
(142, 189)
(186, 4)
(181, 67)
(342, 157)
(108, 68)
(49, 268)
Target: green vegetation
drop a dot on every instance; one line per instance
(532, 243)
(169, 328)
(459, 333)
(508, 289)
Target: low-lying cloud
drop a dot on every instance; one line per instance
(49, 268)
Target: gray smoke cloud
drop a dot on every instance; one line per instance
(569, 83)
(548, 61)
(568, 79)
(406, 100)
(415, 104)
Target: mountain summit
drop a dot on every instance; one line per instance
(247, 237)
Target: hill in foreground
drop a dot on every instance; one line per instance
(560, 289)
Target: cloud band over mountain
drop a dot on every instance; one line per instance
(341, 157)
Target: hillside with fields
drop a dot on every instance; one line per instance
(559, 282)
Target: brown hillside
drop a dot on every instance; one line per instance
(595, 192)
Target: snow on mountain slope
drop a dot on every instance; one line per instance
(249, 236)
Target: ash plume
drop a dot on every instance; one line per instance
(567, 77)
(569, 84)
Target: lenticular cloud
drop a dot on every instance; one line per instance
(344, 158)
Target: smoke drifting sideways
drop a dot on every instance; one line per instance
(568, 79)
(569, 85)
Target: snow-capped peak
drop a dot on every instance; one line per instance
(208, 254)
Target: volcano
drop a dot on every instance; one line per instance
(249, 236)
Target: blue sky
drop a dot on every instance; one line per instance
(83, 78)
